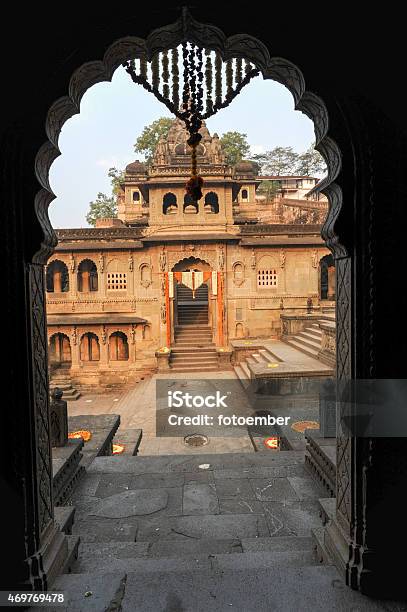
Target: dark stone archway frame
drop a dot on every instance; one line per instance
(274, 68)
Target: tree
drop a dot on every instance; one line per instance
(103, 206)
(106, 206)
(311, 163)
(235, 147)
(278, 161)
(147, 141)
(116, 177)
(268, 189)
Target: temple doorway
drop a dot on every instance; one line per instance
(191, 303)
(60, 350)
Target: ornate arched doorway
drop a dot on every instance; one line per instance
(192, 284)
(356, 267)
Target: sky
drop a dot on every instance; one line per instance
(113, 115)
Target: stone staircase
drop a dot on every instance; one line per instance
(308, 341)
(261, 356)
(198, 533)
(60, 378)
(193, 349)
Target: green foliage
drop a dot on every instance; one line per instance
(103, 206)
(311, 163)
(279, 161)
(117, 177)
(147, 141)
(284, 161)
(268, 189)
(235, 147)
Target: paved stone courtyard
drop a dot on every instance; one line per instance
(137, 409)
(198, 534)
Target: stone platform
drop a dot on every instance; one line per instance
(205, 533)
(103, 428)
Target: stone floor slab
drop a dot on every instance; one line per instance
(272, 489)
(140, 502)
(240, 506)
(105, 530)
(195, 527)
(234, 488)
(200, 499)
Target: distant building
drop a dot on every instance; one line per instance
(167, 269)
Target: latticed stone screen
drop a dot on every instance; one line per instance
(116, 281)
(267, 278)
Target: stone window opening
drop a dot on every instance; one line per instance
(87, 276)
(267, 278)
(89, 348)
(211, 203)
(60, 349)
(57, 277)
(245, 195)
(170, 205)
(136, 196)
(116, 281)
(190, 207)
(118, 347)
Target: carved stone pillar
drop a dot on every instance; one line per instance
(59, 419)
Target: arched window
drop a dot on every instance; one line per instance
(327, 278)
(245, 195)
(60, 349)
(87, 276)
(136, 196)
(89, 348)
(118, 347)
(57, 278)
(190, 207)
(211, 203)
(238, 273)
(170, 206)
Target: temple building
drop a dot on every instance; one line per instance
(175, 280)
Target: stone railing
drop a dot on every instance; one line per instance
(327, 353)
(292, 324)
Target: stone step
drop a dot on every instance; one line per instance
(255, 589)
(127, 556)
(258, 357)
(194, 368)
(187, 327)
(198, 358)
(300, 347)
(194, 346)
(313, 333)
(175, 350)
(240, 373)
(306, 341)
(268, 357)
(245, 369)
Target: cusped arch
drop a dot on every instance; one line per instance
(187, 28)
(118, 346)
(87, 275)
(57, 277)
(191, 263)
